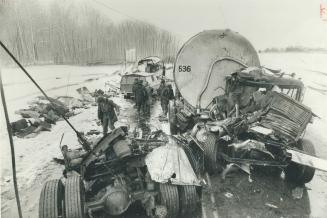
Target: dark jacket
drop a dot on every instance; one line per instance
(160, 89)
(107, 109)
(167, 94)
(140, 94)
(136, 85)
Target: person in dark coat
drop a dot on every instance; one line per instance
(163, 69)
(107, 113)
(135, 85)
(161, 87)
(148, 100)
(140, 96)
(166, 94)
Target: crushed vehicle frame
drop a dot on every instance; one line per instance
(120, 170)
(240, 112)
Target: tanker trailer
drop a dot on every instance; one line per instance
(236, 111)
(200, 69)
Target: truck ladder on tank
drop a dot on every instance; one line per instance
(205, 85)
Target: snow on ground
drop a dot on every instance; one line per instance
(34, 155)
(312, 69)
(56, 80)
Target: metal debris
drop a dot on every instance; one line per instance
(297, 193)
(271, 205)
(228, 195)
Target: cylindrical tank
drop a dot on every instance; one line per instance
(206, 59)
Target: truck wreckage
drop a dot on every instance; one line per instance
(119, 170)
(229, 110)
(159, 171)
(239, 112)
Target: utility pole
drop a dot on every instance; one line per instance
(13, 161)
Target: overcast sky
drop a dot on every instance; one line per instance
(265, 23)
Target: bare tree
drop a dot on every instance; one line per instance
(76, 34)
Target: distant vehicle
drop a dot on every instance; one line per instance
(149, 70)
(150, 65)
(127, 81)
(238, 112)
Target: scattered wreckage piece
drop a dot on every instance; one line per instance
(23, 127)
(119, 170)
(308, 160)
(238, 112)
(71, 102)
(85, 94)
(170, 164)
(111, 88)
(41, 114)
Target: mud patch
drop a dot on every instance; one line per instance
(265, 196)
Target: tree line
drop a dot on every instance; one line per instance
(76, 34)
(293, 49)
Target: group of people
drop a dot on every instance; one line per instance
(108, 110)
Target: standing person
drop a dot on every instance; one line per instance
(135, 87)
(148, 101)
(161, 87)
(171, 92)
(107, 113)
(140, 96)
(159, 90)
(163, 69)
(166, 94)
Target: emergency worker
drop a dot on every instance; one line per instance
(135, 86)
(148, 100)
(140, 96)
(107, 113)
(166, 94)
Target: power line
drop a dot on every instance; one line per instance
(127, 15)
(117, 11)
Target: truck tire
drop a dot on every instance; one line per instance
(172, 118)
(210, 154)
(297, 173)
(169, 198)
(51, 203)
(187, 199)
(74, 197)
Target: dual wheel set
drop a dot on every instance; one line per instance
(178, 199)
(68, 201)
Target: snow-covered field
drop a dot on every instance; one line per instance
(34, 155)
(56, 81)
